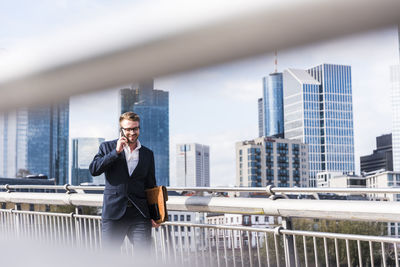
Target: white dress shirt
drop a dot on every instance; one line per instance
(132, 158)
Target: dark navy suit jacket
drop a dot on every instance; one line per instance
(119, 185)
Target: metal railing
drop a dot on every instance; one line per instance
(385, 211)
(269, 190)
(211, 245)
(217, 245)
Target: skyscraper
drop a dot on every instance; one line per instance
(36, 140)
(261, 126)
(8, 151)
(192, 165)
(319, 112)
(153, 108)
(271, 118)
(83, 150)
(395, 88)
(395, 84)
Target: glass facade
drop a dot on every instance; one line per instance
(83, 150)
(273, 105)
(8, 151)
(47, 135)
(261, 127)
(36, 140)
(395, 84)
(319, 111)
(153, 108)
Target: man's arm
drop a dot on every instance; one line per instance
(151, 176)
(102, 160)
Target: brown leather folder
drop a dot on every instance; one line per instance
(157, 200)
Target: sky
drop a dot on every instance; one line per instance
(217, 106)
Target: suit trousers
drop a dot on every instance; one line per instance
(131, 224)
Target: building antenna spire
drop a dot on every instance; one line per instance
(276, 61)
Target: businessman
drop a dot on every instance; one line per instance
(129, 170)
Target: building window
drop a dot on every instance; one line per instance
(175, 218)
(182, 218)
(188, 218)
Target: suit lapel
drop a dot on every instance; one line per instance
(125, 164)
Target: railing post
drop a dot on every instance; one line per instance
(77, 227)
(17, 222)
(288, 242)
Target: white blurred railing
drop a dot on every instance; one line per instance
(169, 39)
(209, 245)
(278, 204)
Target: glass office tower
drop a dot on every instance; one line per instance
(36, 140)
(47, 135)
(395, 84)
(272, 115)
(153, 108)
(83, 151)
(260, 109)
(319, 111)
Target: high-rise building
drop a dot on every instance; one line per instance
(395, 84)
(270, 119)
(192, 165)
(8, 135)
(261, 127)
(271, 161)
(319, 112)
(395, 88)
(153, 108)
(381, 158)
(83, 151)
(36, 140)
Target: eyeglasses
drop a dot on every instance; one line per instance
(131, 129)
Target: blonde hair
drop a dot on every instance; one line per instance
(131, 116)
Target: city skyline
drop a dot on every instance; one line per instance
(231, 90)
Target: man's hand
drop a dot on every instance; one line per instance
(154, 224)
(122, 142)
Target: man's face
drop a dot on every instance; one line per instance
(130, 129)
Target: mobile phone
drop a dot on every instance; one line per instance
(123, 135)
